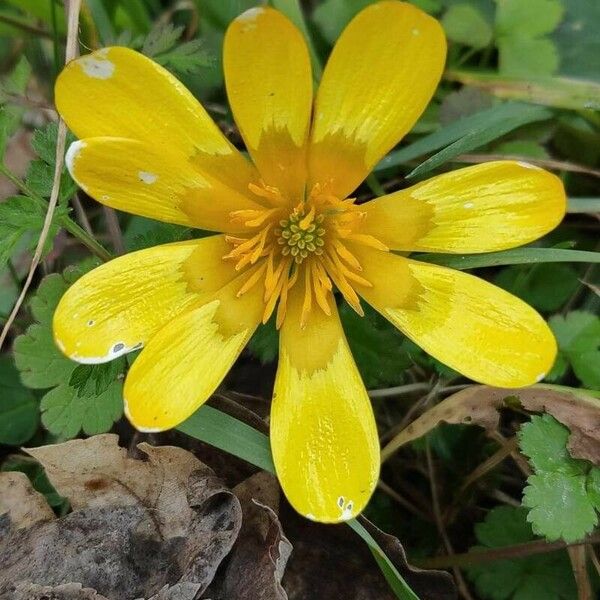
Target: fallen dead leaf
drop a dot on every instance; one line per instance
(24, 505)
(479, 405)
(259, 557)
(137, 526)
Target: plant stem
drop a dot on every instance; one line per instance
(65, 221)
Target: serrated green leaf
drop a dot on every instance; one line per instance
(65, 412)
(94, 380)
(19, 411)
(544, 442)
(532, 18)
(144, 233)
(545, 576)
(465, 24)
(162, 37)
(187, 58)
(22, 218)
(10, 115)
(559, 506)
(578, 336)
(39, 361)
(524, 56)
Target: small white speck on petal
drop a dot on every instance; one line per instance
(105, 197)
(468, 205)
(415, 31)
(147, 177)
(96, 66)
(540, 377)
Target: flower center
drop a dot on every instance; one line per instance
(301, 235)
(307, 244)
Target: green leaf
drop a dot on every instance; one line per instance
(19, 411)
(524, 56)
(377, 347)
(144, 233)
(10, 115)
(162, 37)
(186, 59)
(533, 18)
(578, 336)
(544, 442)
(66, 412)
(559, 506)
(40, 173)
(231, 435)
(86, 397)
(557, 493)
(465, 24)
(22, 218)
(465, 134)
(545, 286)
(545, 576)
(331, 16)
(264, 344)
(518, 256)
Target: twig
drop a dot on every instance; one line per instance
(24, 25)
(114, 229)
(71, 50)
(462, 586)
(81, 216)
(400, 390)
(392, 493)
(478, 557)
(577, 555)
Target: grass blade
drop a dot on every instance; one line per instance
(518, 256)
(472, 131)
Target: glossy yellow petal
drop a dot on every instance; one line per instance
(269, 85)
(377, 82)
(487, 207)
(148, 180)
(465, 322)
(186, 360)
(118, 92)
(323, 433)
(120, 305)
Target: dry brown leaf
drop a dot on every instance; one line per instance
(137, 526)
(260, 555)
(479, 405)
(23, 504)
(69, 591)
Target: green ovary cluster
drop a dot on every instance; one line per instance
(300, 235)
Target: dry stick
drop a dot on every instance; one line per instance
(462, 586)
(114, 230)
(592, 554)
(74, 8)
(392, 493)
(478, 557)
(81, 216)
(579, 565)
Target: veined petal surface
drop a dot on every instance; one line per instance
(487, 207)
(145, 179)
(118, 92)
(120, 305)
(269, 85)
(470, 325)
(323, 433)
(186, 360)
(378, 80)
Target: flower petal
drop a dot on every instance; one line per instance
(323, 433)
(465, 322)
(119, 306)
(186, 360)
(269, 85)
(118, 92)
(487, 207)
(148, 180)
(378, 80)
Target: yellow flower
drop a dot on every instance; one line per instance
(292, 236)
